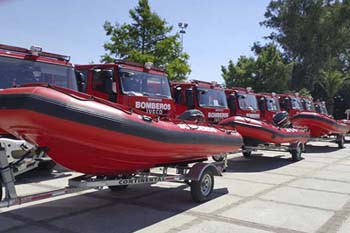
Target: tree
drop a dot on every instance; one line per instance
(268, 72)
(331, 82)
(310, 32)
(239, 74)
(304, 92)
(272, 72)
(146, 39)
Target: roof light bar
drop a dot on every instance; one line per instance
(131, 63)
(212, 83)
(57, 56)
(148, 65)
(13, 48)
(35, 51)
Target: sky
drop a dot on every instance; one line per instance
(217, 30)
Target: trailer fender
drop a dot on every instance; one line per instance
(197, 170)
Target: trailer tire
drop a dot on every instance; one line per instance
(340, 141)
(47, 166)
(297, 151)
(303, 147)
(201, 189)
(1, 191)
(247, 154)
(117, 188)
(218, 158)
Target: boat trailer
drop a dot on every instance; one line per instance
(197, 174)
(339, 139)
(23, 155)
(295, 149)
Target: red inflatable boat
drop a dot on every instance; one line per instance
(257, 132)
(319, 124)
(347, 122)
(316, 118)
(94, 136)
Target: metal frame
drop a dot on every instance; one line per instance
(13, 146)
(329, 138)
(184, 173)
(272, 147)
(334, 138)
(283, 148)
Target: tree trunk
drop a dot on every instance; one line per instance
(330, 106)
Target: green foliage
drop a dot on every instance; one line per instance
(304, 92)
(331, 82)
(239, 74)
(312, 33)
(273, 74)
(268, 72)
(147, 38)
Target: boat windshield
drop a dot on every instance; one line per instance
(296, 103)
(321, 108)
(308, 105)
(247, 102)
(272, 104)
(144, 84)
(14, 71)
(212, 98)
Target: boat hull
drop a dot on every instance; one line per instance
(319, 124)
(93, 138)
(347, 122)
(256, 132)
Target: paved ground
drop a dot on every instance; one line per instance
(267, 193)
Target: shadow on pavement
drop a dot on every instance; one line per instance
(257, 163)
(133, 209)
(320, 149)
(38, 175)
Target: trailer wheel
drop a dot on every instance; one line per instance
(297, 151)
(303, 147)
(218, 158)
(201, 189)
(1, 190)
(246, 153)
(47, 166)
(340, 141)
(117, 188)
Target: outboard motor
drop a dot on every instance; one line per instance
(281, 120)
(192, 115)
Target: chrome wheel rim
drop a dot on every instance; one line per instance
(206, 185)
(218, 157)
